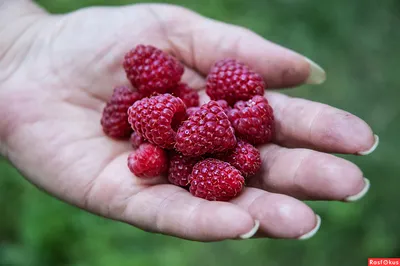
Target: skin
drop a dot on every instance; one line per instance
(57, 71)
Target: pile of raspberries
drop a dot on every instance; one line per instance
(209, 149)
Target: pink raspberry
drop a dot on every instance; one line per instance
(136, 140)
(233, 81)
(157, 118)
(151, 70)
(245, 157)
(224, 106)
(215, 180)
(253, 120)
(207, 131)
(148, 161)
(180, 167)
(114, 120)
(188, 95)
(191, 110)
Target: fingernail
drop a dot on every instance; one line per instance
(252, 232)
(370, 150)
(360, 194)
(317, 74)
(313, 231)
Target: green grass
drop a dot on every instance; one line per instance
(357, 42)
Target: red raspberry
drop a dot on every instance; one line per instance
(232, 81)
(114, 120)
(215, 180)
(136, 140)
(253, 120)
(245, 157)
(148, 161)
(180, 167)
(151, 70)
(188, 95)
(191, 110)
(156, 118)
(208, 130)
(224, 106)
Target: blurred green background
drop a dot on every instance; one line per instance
(357, 42)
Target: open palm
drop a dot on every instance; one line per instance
(52, 103)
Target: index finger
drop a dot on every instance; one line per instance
(200, 42)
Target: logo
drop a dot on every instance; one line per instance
(383, 261)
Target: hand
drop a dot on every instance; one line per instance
(64, 69)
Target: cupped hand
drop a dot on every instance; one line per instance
(61, 70)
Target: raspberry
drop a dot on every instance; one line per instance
(136, 140)
(215, 180)
(114, 120)
(156, 118)
(151, 70)
(208, 130)
(253, 120)
(224, 106)
(191, 110)
(232, 81)
(180, 167)
(245, 157)
(148, 161)
(188, 95)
